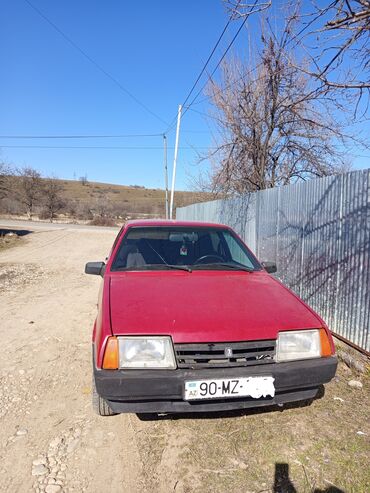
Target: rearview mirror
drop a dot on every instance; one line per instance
(95, 268)
(269, 267)
(181, 237)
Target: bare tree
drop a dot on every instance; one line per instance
(238, 9)
(274, 129)
(52, 199)
(341, 57)
(335, 38)
(5, 175)
(28, 188)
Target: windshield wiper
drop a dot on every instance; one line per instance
(178, 267)
(155, 267)
(230, 266)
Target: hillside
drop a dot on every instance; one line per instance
(127, 200)
(89, 201)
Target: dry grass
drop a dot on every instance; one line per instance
(8, 241)
(131, 199)
(301, 449)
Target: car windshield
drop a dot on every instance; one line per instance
(200, 248)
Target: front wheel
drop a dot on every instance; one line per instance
(99, 404)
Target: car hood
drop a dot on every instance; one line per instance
(205, 306)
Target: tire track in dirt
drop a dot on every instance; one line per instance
(50, 440)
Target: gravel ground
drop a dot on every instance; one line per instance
(51, 441)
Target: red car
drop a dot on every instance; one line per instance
(190, 320)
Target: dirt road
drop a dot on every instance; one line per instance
(51, 441)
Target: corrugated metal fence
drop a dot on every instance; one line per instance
(318, 233)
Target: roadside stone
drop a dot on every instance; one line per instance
(355, 384)
(40, 460)
(21, 432)
(56, 442)
(72, 445)
(53, 488)
(338, 399)
(39, 470)
(77, 432)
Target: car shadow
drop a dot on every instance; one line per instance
(18, 232)
(283, 483)
(229, 414)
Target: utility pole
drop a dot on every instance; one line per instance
(165, 170)
(175, 159)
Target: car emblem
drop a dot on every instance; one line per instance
(228, 352)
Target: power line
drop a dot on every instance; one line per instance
(218, 64)
(223, 56)
(91, 147)
(203, 69)
(95, 63)
(240, 79)
(261, 63)
(116, 136)
(208, 60)
(204, 114)
(78, 136)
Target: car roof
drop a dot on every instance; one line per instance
(173, 222)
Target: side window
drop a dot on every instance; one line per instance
(237, 254)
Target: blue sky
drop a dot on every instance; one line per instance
(154, 49)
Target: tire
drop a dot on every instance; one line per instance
(99, 404)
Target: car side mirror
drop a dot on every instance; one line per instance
(95, 268)
(269, 267)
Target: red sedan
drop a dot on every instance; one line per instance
(189, 320)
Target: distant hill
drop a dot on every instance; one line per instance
(91, 201)
(128, 200)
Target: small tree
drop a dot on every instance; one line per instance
(5, 174)
(28, 188)
(52, 199)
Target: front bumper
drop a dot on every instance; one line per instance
(161, 391)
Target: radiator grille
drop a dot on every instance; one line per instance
(217, 355)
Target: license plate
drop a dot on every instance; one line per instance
(255, 387)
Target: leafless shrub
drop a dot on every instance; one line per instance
(84, 212)
(102, 221)
(71, 207)
(102, 207)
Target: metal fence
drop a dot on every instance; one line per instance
(318, 233)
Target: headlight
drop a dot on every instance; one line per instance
(299, 344)
(146, 352)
